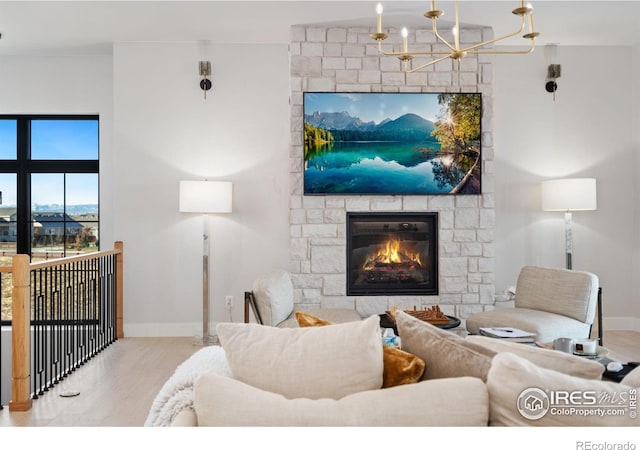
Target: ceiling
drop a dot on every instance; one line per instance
(69, 27)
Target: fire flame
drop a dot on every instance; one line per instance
(392, 252)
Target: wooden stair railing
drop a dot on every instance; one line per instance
(21, 319)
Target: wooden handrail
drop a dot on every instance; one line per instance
(21, 316)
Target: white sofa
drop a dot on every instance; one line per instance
(331, 376)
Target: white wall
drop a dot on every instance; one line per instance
(164, 132)
(60, 85)
(156, 129)
(586, 132)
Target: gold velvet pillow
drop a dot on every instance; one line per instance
(400, 367)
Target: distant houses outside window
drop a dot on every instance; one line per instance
(49, 187)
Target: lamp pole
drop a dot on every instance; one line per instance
(568, 237)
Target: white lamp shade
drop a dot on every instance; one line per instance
(206, 196)
(570, 194)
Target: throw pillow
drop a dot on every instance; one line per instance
(521, 393)
(274, 296)
(444, 353)
(632, 378)
(542, 357)
(312, 362)
(462, 402)
(399, 367)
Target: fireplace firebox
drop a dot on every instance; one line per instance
(392, 253)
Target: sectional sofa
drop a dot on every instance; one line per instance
(333, 376)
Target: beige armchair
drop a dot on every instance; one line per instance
(271, 302)
(550, 302)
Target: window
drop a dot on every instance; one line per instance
(49, 187)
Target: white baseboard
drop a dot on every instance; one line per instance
(165, 329)
(195, 329)
(621, 323)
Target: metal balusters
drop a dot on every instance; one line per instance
(73, 317)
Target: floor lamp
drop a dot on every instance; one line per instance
(572, 194)
(206, 197)
(569, 194)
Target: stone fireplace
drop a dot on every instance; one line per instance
(339, 58)
(392, 253)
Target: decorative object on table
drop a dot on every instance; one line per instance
(455, 50)
(564, 344)
(432, 314)
(586, 347)
(206, 197)
(508, 334)
(569, 194)
(619, 371)
(392, 143)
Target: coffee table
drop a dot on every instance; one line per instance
(386, 322)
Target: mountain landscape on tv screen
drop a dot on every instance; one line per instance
(344, 127)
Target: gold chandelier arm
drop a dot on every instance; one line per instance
(385, 53)
(499, 38)
(416, 53)
(443, 40)
(532, 47)
(437, 60)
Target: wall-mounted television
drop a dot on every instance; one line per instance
(392, 143)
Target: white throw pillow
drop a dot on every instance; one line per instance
(632, 378)
(312, 362)
(521, 393)
(547, 358)
(221, 401)
(274, 297)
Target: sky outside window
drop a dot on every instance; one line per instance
(8, 139)
(8, 189)
(64, 139)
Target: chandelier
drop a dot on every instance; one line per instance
(454, 50)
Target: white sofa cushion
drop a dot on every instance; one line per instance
(221, 401)
(513, 382)
(542, 357)
(632, 378)
(314, 362)
(547, 326)
(444, 353)
(274, 296)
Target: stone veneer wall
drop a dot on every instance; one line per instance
(345, 59)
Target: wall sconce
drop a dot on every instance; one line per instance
(553, 70)
(205, 72)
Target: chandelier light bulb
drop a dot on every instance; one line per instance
(405, 43)
(379, 8)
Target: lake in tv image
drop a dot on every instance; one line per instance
(392, 143)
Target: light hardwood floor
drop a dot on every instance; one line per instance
(118, 386)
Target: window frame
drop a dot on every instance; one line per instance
(23, 167)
